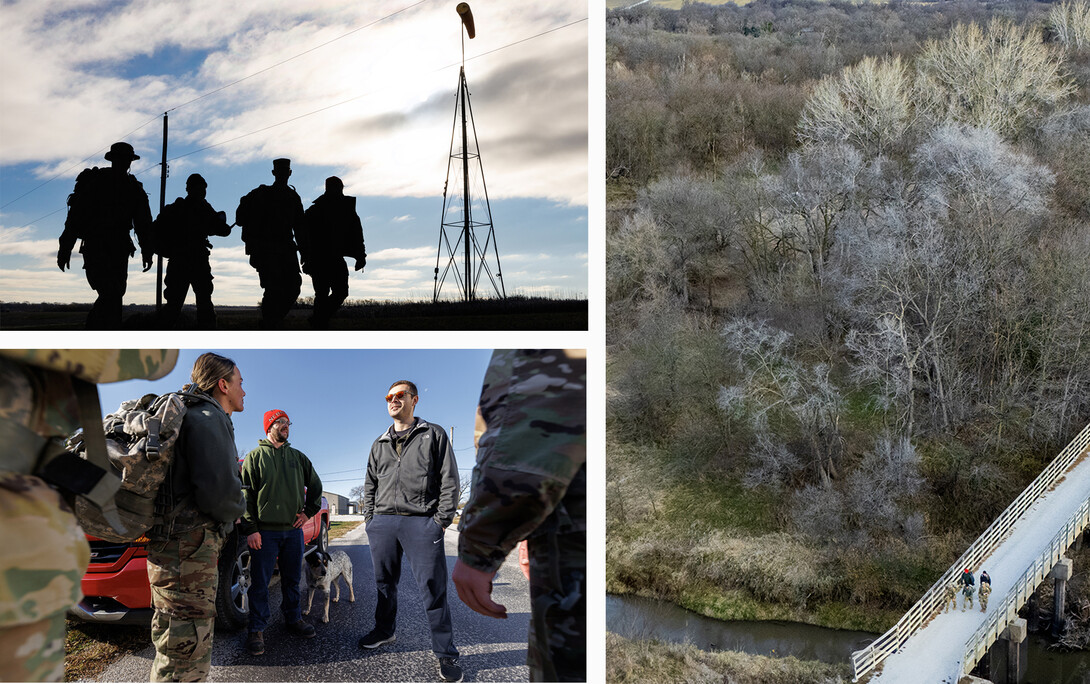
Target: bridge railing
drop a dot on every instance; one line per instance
(997, 621)
(865, 660)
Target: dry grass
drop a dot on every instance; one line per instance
(89, 648)
(339, 528)
(631, 662)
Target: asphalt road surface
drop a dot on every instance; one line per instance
(491, 650)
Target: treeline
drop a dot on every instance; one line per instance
(847, 259)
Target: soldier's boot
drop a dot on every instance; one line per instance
(206, 316)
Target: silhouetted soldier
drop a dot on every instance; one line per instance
(271, 216)
(106, 204)
(332, 232)
(181, 234)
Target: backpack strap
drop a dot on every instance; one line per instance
(93, 478)
(104, 491)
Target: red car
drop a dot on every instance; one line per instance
(116, 590)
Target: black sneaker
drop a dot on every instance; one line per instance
(373, 640)
(255, 643)
(449, 671)
(301, 628)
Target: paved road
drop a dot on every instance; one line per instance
(491, 650)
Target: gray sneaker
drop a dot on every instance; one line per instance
(449, 670)
(373, 639)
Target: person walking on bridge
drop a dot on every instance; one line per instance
(949, 597)
(985, 590)
(967, 583)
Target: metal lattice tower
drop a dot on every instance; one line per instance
(467, 214)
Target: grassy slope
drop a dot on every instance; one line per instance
(628, 662)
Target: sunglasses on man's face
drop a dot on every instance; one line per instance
(396, 395)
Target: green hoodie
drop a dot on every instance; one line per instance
(274, 479)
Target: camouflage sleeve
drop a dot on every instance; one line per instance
(100, 365)
(533, 403)
(40, 572)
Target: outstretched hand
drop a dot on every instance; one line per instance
(475, 589)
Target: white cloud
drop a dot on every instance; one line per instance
(68, 88)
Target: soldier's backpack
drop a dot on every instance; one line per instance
(140, 439)
(83, 202)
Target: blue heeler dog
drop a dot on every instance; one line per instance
(323, 570)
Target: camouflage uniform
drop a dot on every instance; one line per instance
(530, 482)
(40, 572)
(985, 590)
(949, 598)
(183, 559)
(183, 575)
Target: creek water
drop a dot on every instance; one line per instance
(634, 617)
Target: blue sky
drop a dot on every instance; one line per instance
(373, 85)
(334, 399)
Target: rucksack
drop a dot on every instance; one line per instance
(83, 201)
(140, 439)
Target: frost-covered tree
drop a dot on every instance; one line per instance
(868, 106)
(1069, 22)
(780, 398)
(1002, 77)
(690, 213)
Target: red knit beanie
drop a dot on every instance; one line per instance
(273, 416)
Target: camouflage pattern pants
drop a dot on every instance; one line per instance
(557, 649)
(183, 573)
(39, 577)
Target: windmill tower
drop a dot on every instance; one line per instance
(467, 216)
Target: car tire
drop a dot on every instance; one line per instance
(232, 594)
(323, 538)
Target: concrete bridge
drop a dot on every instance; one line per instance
(1023, 548)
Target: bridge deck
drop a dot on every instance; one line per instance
(933, 653)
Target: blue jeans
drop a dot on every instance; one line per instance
(421, 539)
(287, 547)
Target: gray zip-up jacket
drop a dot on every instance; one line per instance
(422, 480)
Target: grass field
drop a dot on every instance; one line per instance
(513, 313)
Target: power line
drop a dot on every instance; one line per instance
(341, 472)
(305, 52)
(356, 97)
(211, 92)
(294, 118)
(76, 165)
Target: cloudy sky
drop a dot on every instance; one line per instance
(361, 90)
